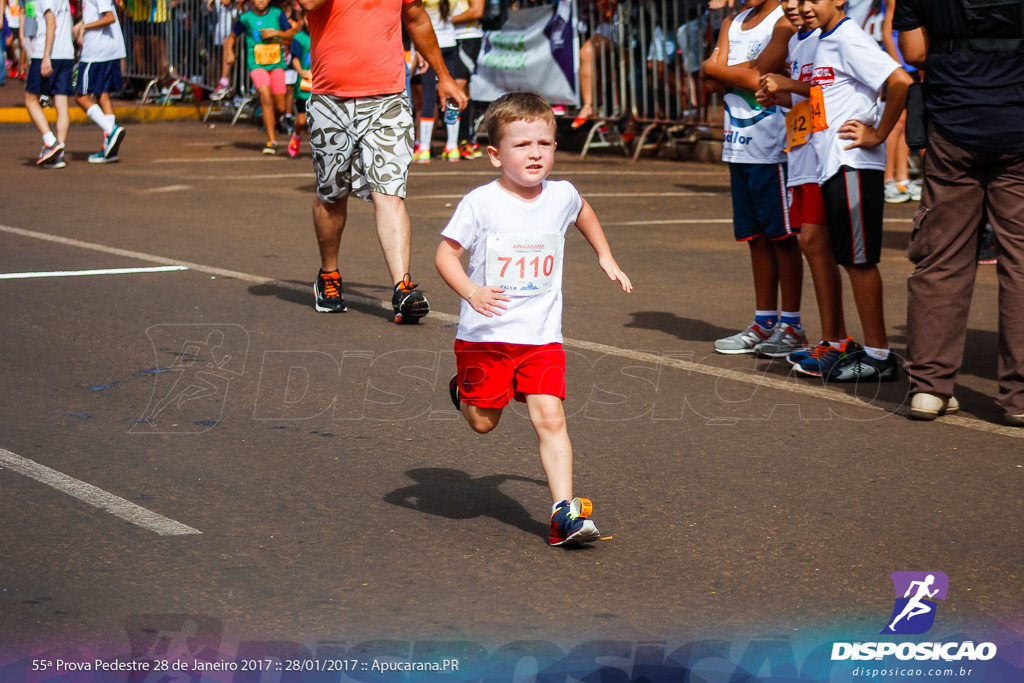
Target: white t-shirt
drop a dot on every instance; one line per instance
(753, 134)
(470, 29)
(103, 44)
(63, 46)
(803, 162)
(488, 223)
(851, 71)
(443, 29)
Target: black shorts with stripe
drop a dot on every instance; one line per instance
(854, 199)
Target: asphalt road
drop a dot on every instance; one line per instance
(312, 484)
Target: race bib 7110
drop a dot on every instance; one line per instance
(524, 265)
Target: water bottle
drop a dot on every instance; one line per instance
(451, 112)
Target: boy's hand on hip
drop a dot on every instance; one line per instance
(611, 268)
(861, 134)
(488, 301)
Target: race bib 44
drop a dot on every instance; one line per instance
(524, 265)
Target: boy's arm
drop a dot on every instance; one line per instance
(475, 11)
(775, 84)
(79, 29)
(588, 224)
(719, 56)
(747, 76)
(484, 300)
(865, 136)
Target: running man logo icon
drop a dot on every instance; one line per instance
(914, 611)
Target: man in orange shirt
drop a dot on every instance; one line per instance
(361, 132)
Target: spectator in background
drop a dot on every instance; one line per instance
(53, 60)
(469, 38)
(975, 96)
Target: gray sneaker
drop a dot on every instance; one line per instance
(914, 188)
(784, 341)
(745, 341)
(896, 193)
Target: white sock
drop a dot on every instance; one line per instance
(877, 354)
(453, 135)
(111, 119)
(99, 118)
(426, 132)
(223, 81)
(49, 139)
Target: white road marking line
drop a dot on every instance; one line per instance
(108, 502)
(763, 380)
(168, 188)
(104, 271)
(213, 160)
(698, 221)
(587, 195)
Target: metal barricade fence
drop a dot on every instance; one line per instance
(646, 56)
(174, 48)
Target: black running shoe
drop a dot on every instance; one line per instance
(453, 391)
(328, 293)
(409, 303)
(859, 366)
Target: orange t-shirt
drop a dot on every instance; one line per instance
(357, 47)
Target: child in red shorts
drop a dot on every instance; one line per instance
(509, 343)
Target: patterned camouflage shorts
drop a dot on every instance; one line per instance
(360, 145)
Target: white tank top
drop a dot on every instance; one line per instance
(753, 134)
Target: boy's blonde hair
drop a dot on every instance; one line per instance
(515, 106)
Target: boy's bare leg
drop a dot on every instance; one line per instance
(828, 290)
(481, 420)
(394, 230)
(36, 113)
(269, 113)
(866, 283)
(329, 223)
(60, 102)
(766, 274)
(548, 421)
(790, 263)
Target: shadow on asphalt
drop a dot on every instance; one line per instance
(453, 494)
(305, 298)
(687, 329)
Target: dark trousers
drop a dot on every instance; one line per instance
(962, 188)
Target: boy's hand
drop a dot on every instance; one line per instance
(488, 300)
(268, 33)
(861, 134)
(770, 83)
(46, 68)
(766, 99)
(611, 268)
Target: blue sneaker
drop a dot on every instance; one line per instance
(113, 143)
(824, 357)
(801, 354)
(569, 523)
(453, 391)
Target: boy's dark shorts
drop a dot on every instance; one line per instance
(854, 199)
(97, 78)
(760, 201)
(57, 83)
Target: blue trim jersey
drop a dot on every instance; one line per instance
(753, 134)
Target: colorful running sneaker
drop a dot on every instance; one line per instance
(328, 293)
(293, 146)
(49, 152)
(824, 356)
(421, 155)
(784, 341)
(112, 142)
(57, 161)
(858, 366)
(800, 354)
(745, 341)
(98, 158)
(222, 91)
(451, 154)
(453, 391)
(409, 303)
(569, 523)
(914, 188)
(896, 193)
(469, 150)
(270, 148)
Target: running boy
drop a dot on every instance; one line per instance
(267, 30)
(509, 342)
(807, 207)
(99, 72)
(849, 72)
(754, 141)
(53, 59)
(300, 54)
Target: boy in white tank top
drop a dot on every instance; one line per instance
(753, 147)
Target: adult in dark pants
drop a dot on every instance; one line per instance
(974, 98)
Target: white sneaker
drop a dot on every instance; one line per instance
(914, 188)
(930, 406)
(896, 193)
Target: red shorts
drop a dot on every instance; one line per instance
(491, 374)
(807, 205)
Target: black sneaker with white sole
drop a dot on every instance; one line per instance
(409, 303)
(328, 293)
(859, 366)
